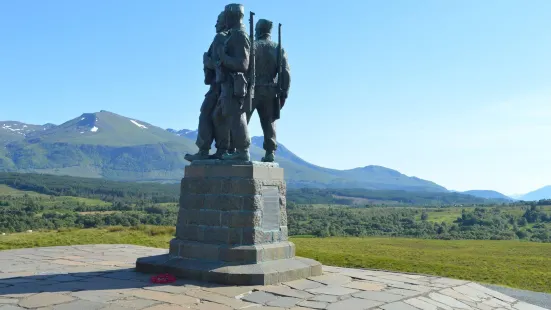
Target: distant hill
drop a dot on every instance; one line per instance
(542, 193)
(112, 146)
(488, 194)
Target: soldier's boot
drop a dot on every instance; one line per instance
(201, 155)
(269, 157)
(238, 155)
(218, 155)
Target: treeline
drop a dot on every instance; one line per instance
(21, 213)
(382, 197)
(157, 192)
(90, 188)
(33, 213)
(477, 223)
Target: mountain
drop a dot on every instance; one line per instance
(542, 193)
(488, 194)
(13, 131)
(112, 146)
(101, 144)
(190, 134)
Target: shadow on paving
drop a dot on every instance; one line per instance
(119, 279)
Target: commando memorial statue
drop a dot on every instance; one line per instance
(244, 75)
(232, 220)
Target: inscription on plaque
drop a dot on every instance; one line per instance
(270, 213)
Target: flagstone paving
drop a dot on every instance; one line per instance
(102, 277)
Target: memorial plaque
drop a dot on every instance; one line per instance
(270, 212)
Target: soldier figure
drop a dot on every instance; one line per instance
(268, 99)
(209, 127)
(234, 65)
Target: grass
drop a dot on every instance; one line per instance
(515, 264)
(153, 236)
(47, 200)
(6, 190)
(523, 265)
(449, 215)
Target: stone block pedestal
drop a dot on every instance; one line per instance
(232, 227)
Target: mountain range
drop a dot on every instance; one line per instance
(112, 146)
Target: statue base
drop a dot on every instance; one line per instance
(232, 227)
(262, 273)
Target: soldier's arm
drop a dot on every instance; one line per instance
(285, 75)
(239, 62)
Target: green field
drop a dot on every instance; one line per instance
(512, 263)
(51, 201)
(450, 214)
(516, 264)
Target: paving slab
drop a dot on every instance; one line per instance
(260, 297)
(102, 277)
(325, 298)
(303, 284)
(400, 305)
(10, 307)
(365, 286)
(219, 299)
(333, 290)
(354, 304)
(379, 296)
(81, 305)
(134, 303)
(313, 304)
(284, 302)
(285, 291)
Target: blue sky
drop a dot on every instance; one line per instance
(457, 92)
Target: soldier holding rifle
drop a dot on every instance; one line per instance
(273, 79)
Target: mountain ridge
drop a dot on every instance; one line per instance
(488, 194)
(112, 146)
(538, 194)
(355, 176)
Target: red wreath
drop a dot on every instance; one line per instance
(163, 278)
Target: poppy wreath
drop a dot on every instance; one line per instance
(163, 278)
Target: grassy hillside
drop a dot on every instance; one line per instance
(512, 263)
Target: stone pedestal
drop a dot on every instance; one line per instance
(232, 227)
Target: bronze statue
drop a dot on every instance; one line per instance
(234, 65)
(273, 79)
(244, 72)
(209, 126)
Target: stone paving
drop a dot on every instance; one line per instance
(102, 277)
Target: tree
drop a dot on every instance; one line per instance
(424, 216)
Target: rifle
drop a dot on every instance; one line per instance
(252, 64)
(279, 90)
